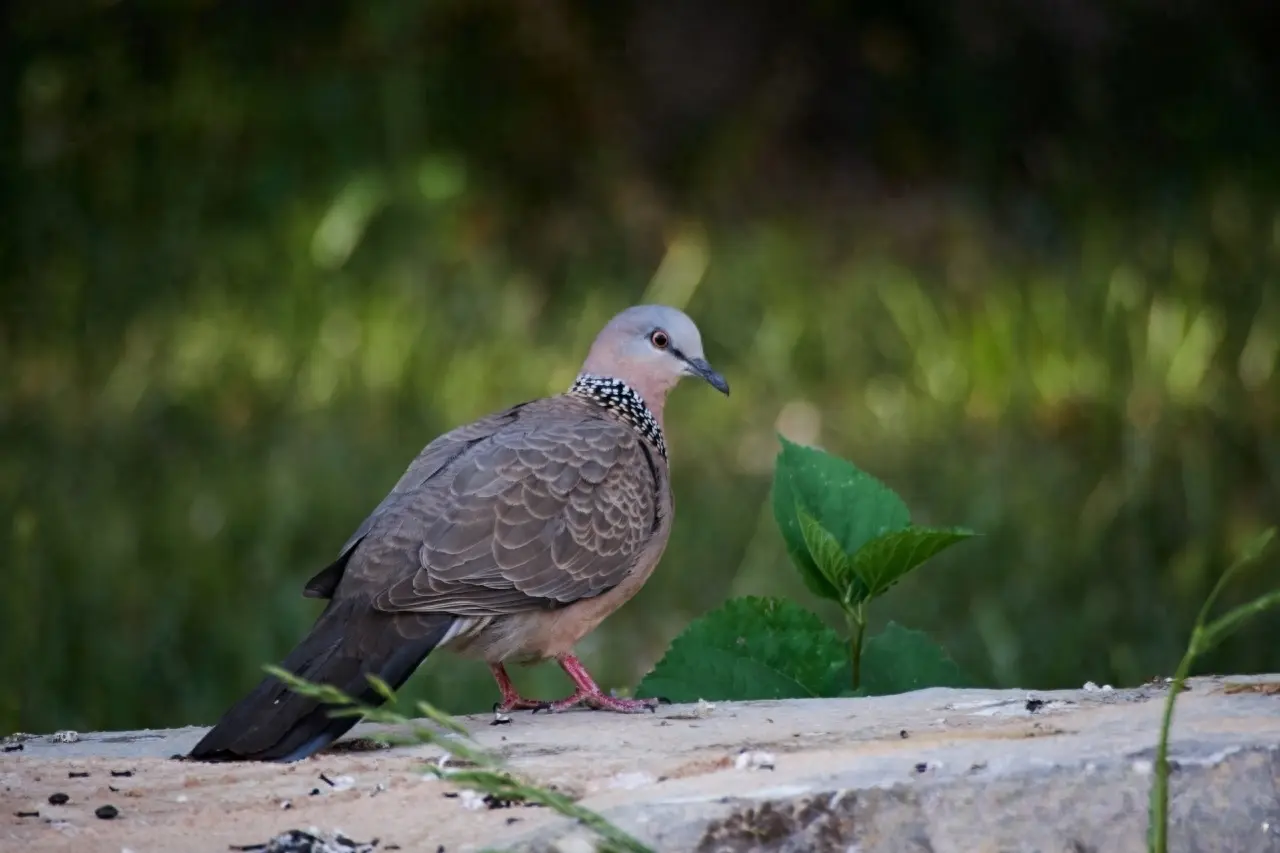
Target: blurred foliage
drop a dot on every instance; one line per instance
(1017, 260)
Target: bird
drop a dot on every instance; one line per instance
(506, 540)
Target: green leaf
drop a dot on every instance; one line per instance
(786, 514)
(1225, 625)
(883, 561)
(751, 648)
(833, 563)
(900, 659)
(848, 503)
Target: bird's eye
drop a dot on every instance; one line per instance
(659, 339)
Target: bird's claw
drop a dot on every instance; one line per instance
(516, 703)
(600, 702)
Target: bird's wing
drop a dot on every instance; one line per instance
(550, 509)
(428, 463)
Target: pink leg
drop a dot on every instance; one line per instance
(511, 698)
(589, 693)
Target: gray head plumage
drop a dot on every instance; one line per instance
(637, 358)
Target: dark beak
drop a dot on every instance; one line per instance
(701, 369)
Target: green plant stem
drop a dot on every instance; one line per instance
(1159, 839)
(857, 630)
(1202, 640)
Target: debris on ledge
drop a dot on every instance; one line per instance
(948, 769)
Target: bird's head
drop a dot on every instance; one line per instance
(651, 347)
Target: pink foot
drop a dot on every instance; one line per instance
(590, 694)
(511, 698)
(600, 702)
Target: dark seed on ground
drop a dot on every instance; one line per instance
(78, 774)
(315, 792)
(118, 773)
(921, 767)
(1034, 705)
(512, 820)
(27, 814)
(113, 789)
(106, 812)
(58, 799)
(13, 747)
(903, 734)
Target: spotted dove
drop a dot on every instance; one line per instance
(507, 540)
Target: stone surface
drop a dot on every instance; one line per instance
(934, 770)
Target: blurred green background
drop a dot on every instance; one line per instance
(1019, 260)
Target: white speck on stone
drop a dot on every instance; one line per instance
(754, 759)
(703, 708)
(181, 798)
(1142, 767)
(1107, 688)
(66, 736)
(1090, 687)
(980, 703)
(471, 800)
(342, 783)
(631, 781)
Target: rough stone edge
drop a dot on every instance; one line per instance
(1231, 803)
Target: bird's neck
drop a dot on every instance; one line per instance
(624, 402)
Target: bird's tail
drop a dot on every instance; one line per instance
(273, 723)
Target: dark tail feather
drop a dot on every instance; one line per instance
(273, 723)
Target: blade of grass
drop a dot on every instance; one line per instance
(1202, 639)
(488, 775)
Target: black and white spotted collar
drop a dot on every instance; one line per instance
(620, 398)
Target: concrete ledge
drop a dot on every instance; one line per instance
(936, 770)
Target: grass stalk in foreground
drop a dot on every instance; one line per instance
(487, 774)
(1203, 638)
